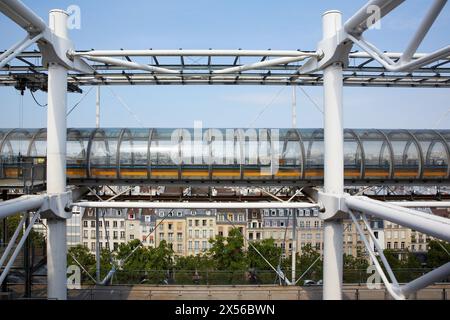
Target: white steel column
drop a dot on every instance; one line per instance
(56, 164)
(97, 245)
(294, 245)
(333, 164)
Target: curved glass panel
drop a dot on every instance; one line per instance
(38, 144)
(103, 153)
(406, 155)
(133, 154)
(77, 145)
(352, 156)
(313, 141)
(290, 162)
(434, 153)
(377, 159)
(235, 154)
(163, 150)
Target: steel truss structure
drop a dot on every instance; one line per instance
(332, 64)
(218, 67)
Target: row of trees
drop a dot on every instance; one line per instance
(228, 262)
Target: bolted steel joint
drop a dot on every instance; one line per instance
(332, 206)
(56, 205)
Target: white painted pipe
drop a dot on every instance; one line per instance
(428, 279)
(16, 51)
(18, 248)
(22, 15)
(423, 222)
(56, 164)
(13, 239)
(21, 204)
(196, 53)
(195, 205)
(263, 64)
(333, 164)
(421, 204)
(131, 65)
(358, 23)
(392, 55)
(423, 29)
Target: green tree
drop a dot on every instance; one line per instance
(438, 253)
(268, 249)
(228, 253)
(305, 260)
(37, 238)
(84, 258)
(191, 263)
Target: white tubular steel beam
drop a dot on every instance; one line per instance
(421, 204)
(13, 239)
(424, 27)
(333, 163)
(257, 65)
(391, 288)
(19, 246)
(391, 55)
(195, 53)
(56, 164)
(17, 49)
(131, 65)
(23, 16)
(428, 279)
(194, 205)
(21, 204)
(358, 23)
(426, 223)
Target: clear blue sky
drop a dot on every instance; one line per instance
(229, 24)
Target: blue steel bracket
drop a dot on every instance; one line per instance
(332, 206)
(57, 206)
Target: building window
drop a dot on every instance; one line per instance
(92, 224)
(92, 246)
(114, 224)
(115, 235)
(131, 236)
(85, 224)
(85, 234)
